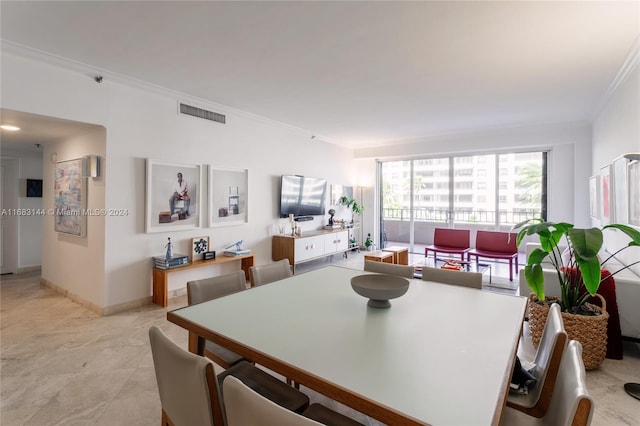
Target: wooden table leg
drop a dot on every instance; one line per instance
(196, 344)
(246, 263)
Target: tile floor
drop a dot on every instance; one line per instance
(64, 365)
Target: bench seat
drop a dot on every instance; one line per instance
(449, 241)
(496, 245)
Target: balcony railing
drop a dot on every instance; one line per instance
(459, 216)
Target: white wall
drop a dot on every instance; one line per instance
(76, 264)
(616, 130)
(141, 123)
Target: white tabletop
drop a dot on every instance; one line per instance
(441, 354)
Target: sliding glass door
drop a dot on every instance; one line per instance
(489, 191)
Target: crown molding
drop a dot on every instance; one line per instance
(628, 66)
(108, 75)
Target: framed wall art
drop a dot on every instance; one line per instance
(70, 198)
(199, 245)
(228, 196)
(633, 180)
(594, 196)
(34, 188)
(620, 191)
(606, 205)
(173, 196)
(339, 191)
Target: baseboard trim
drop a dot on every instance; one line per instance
(102, 311)
(127, 306)
(27, 269)
(72, 296)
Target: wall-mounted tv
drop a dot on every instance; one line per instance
(302, 195)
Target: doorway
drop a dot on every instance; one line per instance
(9, 219)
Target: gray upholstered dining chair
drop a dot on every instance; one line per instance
(186, 382)
(245, 407)
(265, 274)
(191, 394)
(571, 404)
(389, 268)
(547, 363)
(199, 291)
(446, 276)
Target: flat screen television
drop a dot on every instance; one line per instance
(302, 195)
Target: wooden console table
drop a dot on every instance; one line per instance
(161, 276)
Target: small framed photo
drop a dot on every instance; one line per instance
(199, 246)
(173, 196)
(606, 196)
(620, 190)
(594, 196)
(34, 188)
(633, 176)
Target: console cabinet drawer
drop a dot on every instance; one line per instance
(309, 247)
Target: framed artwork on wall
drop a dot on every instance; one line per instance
(339, 191)
(70, 198)
(620, 191)
(173, 194)
(606, 205)
(228, 196)
(594, 196)
(34, 188)
(633, 179)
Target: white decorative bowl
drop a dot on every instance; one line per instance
(379, 288)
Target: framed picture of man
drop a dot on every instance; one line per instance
(173, 196)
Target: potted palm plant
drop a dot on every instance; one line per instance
(579, 275)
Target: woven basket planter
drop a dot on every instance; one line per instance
(590, 331)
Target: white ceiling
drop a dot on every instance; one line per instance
(356, 73)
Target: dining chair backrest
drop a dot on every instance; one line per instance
(405, 271)
(199, 291)
(245, 407)
(571, 404)
(553, 344)
(265, 274)
(448, 276)
(186, 382)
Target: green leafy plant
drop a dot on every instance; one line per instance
(368, 241)
(584, 246)
(352, 204)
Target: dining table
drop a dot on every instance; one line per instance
(440, 354)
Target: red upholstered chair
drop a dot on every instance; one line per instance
(450, 241)
(497, 245)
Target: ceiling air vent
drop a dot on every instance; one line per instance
(202, 113)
